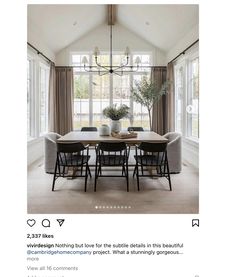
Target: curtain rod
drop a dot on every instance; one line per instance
(94, 66)
(40, 53)
(183, 52)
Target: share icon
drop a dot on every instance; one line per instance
(60, 221)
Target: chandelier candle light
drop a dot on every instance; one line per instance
(106, 69)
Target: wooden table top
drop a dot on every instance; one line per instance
(94, 137)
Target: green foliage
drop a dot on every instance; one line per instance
(116, 113)
(81, 85)
(146, 92)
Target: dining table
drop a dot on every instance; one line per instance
(94, 138)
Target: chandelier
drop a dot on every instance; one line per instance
(111, 69)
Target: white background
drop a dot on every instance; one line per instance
(209, 249)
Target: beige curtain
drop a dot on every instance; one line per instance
(158, 75)
(170, 100)
(61, 100)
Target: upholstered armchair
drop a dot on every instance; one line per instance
(174, 151)
(50, 151)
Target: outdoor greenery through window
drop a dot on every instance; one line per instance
(93, 93)
(187, 96)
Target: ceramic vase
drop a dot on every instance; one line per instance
(104, 130)
(115, 126)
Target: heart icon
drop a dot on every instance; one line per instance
(31, 222)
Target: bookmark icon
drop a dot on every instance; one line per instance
(60, 221)
(195, 222)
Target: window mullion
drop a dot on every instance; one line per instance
(131, 102)
(90, 100)
(37, 99)
(111, 88)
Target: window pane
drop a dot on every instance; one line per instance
(145, 61)
(119, 60)
(140, 113)
(140, 116)
(179, 92)
(44, 77)
(77, 61)
(29, 99)
(101, 98)
(81, 101)
(102, 59)
(193, 100)
(121, 94)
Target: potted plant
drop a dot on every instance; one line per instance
(115, 114)
(146, 93)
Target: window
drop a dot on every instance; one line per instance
(81, 100)
(44, 86)
(193, 97)
(179, 97)
(29, 98)
(187, 96)
(37, 96)
(92, 93)
(100, 98)
(121, 94)
(140, 113)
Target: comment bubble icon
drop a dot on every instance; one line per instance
(46, 223)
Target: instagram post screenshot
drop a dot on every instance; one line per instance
(113, 153)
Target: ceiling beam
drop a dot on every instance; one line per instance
(111, 14)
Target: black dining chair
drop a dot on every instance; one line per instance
(152, 155)
(111, 154)
(135, 129)
(71, 155)
(92, 147)
(89, 129)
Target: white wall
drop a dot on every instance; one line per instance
(99, 37)
(37, 41)
(187, 40)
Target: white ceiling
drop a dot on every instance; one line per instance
(161, 25)
(55, 22)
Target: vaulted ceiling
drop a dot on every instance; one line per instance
(161, 25)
